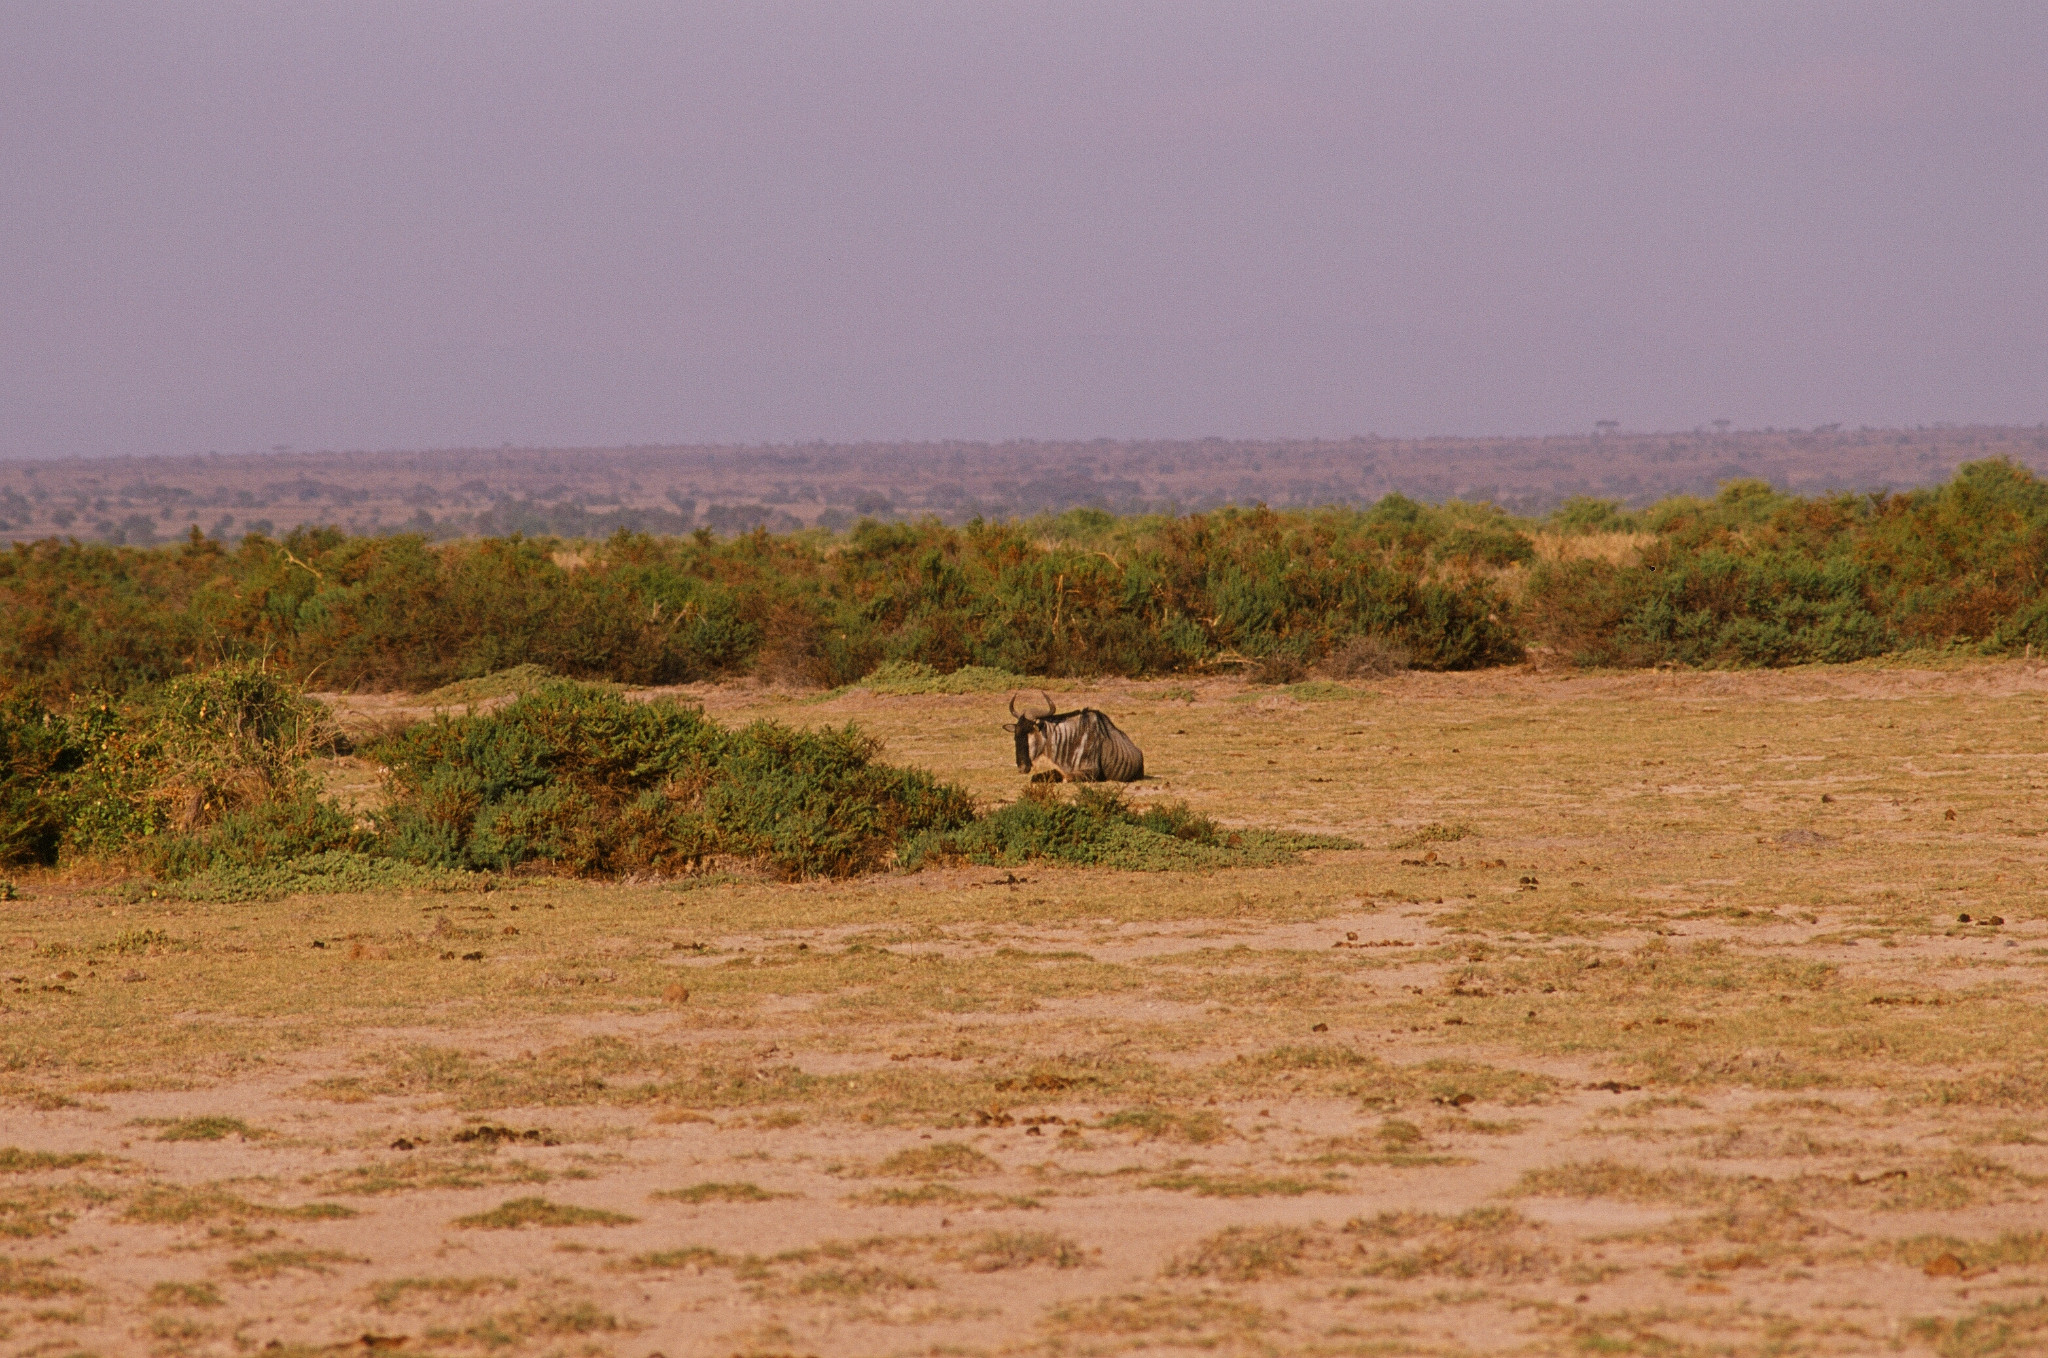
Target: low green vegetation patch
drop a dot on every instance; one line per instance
(210, 1129)
(174, 1205)
(1244, 1185)
(1097, 827)
(505, 683)
(718, 1192)
(522, 1212)
(273, 1263)
(328, 872)
(943, 1159)
(911, 677)
(14, 1160)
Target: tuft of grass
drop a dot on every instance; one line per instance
(689, 1256)
(202, 1295)
(1243, 1185)
(718, 1192)
(1205, 1322)
(519, 1213)
(941, 1160)
(939, 1195)
(271, 1263)
(511, 1329)
(171, 1205)
(1201, 1127)
(909, 677)
(505, 683)
(1481, 1243)
(1248, 1254)
(420, 1172)
(36, 1280)
(858, 1280)
(1960, 1180)
(14, 1160)
(330, 872)
(393, 1292)
(1434, 833)
(211, 1129)
(45, 1210)
(1095, 827)
(995, 1251)
(1396, 1142)
(1991, 1330)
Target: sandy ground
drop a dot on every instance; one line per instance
(1672, 1041)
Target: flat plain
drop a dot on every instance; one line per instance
(1662, 1013)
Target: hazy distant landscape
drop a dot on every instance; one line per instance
(592, 492)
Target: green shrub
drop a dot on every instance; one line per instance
(36, 750)
(577, 779)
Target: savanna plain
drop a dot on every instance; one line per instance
(1654, 1013)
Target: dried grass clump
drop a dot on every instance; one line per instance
(1366, 655)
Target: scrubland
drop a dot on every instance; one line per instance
(1650, 1012)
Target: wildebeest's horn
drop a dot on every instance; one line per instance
(1050, 706)
(1013, 704)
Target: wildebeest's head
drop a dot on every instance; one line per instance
(1029, 731)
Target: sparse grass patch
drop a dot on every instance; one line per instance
(421, 1171)
(1249, 1254)
(1199, 1320)
(271, 1263)
(1434, 833)
(14, 1160)
(37, 1280)
(1991, 1330)
(1250, 1185)
(173, 1205)
(1199, 1127)
(508, 1329)
(522, 1212)
(689, 1256)
(2007, 1250)
(857, 1280)
(1097, 828)
(995, 1251)
(718, 1192)
(1481, 1243)
(908, 677)
(939, 1195)
(394, 1292)
(943, 1159)
(201, 1295)
(210, 1129)
(1958, 1181)
(1396, 1143)
(31, 1211)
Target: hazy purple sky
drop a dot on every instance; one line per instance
(409, 225)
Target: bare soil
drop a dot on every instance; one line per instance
(1645, 1020)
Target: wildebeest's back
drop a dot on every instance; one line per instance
(1107, 754)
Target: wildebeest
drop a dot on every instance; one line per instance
(1085, 746)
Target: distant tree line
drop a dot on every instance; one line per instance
(1748, 577)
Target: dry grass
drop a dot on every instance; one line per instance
(518, 1213)
(1616, 1006)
